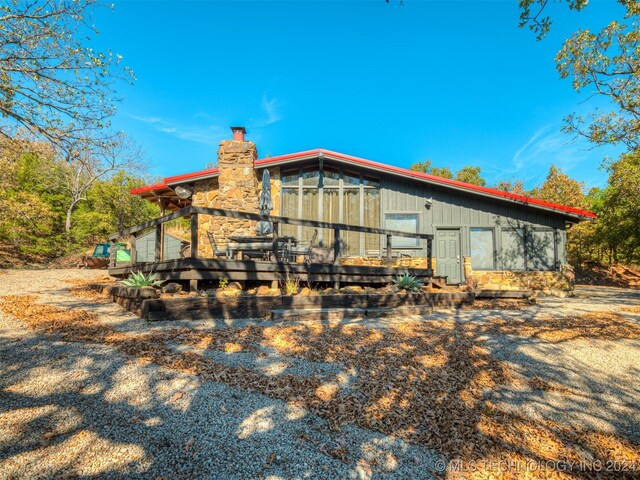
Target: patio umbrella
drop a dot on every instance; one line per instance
(265, 204)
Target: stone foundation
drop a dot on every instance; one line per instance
(413, 262)
(541, 281)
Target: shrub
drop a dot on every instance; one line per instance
(407, 282)
(291, 285)
(139, 280)
(223, 282)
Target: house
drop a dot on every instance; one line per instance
(496, 239)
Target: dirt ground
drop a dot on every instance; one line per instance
(87, 389)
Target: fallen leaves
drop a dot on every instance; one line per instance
(176, 396)
(425, 382)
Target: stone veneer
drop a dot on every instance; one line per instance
(237, 187)
(547, 282)
(411, 262)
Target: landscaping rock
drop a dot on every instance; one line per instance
(234, 286)
(352, 289)
(172, 287)
(305, 292)
(263, 290)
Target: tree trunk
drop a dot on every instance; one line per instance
(67, 223)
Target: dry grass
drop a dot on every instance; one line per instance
(425, 382)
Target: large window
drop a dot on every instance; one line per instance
(332, 194)
(527, 248)
(482, 248)
(512, 254)
(541, 250)
(403, 222)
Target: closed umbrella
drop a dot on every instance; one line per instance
(265, 204)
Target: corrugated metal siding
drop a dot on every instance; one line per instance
(145, 247)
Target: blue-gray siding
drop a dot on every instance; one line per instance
(440, 208)
(145, 247)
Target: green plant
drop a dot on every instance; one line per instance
(407, 282)
(223, 282)
(139, 280)
(291, 285)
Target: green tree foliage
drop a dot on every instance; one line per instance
(471, 175)
(511, 186)
(604, 63)
(562, 189)
(110, 207)
(425, 167)
(34, 204)
(443, 172)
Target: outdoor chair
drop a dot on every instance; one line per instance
(217, 252)
(317, 254)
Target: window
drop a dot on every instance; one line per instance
(513, 249)
(332, 195)
(541, 251)
(403, 222)
(482, 249)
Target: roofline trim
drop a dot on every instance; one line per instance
(403, 172)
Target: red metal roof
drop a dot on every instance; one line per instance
(380, 167)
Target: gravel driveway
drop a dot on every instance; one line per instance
(71, 409)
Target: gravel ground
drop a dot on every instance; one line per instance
(78, 409)
(88, 410)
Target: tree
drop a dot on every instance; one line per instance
(29, 210)
(471, 175)
(443, 172)
(562, 189)
(110, 207)
(51, 85)
(604, 62)
(96, 160)
(511, 186)
(425, 167)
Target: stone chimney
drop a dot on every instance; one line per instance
(236, 188)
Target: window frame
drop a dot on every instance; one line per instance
(494, 252)
(394, 246)
(364, 182)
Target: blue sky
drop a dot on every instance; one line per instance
(456, 82)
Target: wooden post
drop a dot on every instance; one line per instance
(430, 254)
(275, 242)
(336, 255)
(194, 236)
(133, 253)
(158, 250)
(389, 257)
(112, 254)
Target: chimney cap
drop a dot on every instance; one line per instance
(238, 133)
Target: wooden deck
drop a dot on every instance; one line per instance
(194, 268)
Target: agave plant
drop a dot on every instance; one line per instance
(139, 280)
(407, 282)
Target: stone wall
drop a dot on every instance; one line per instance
(547, 282)
(412, 262)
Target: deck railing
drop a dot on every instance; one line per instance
(276, 221)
